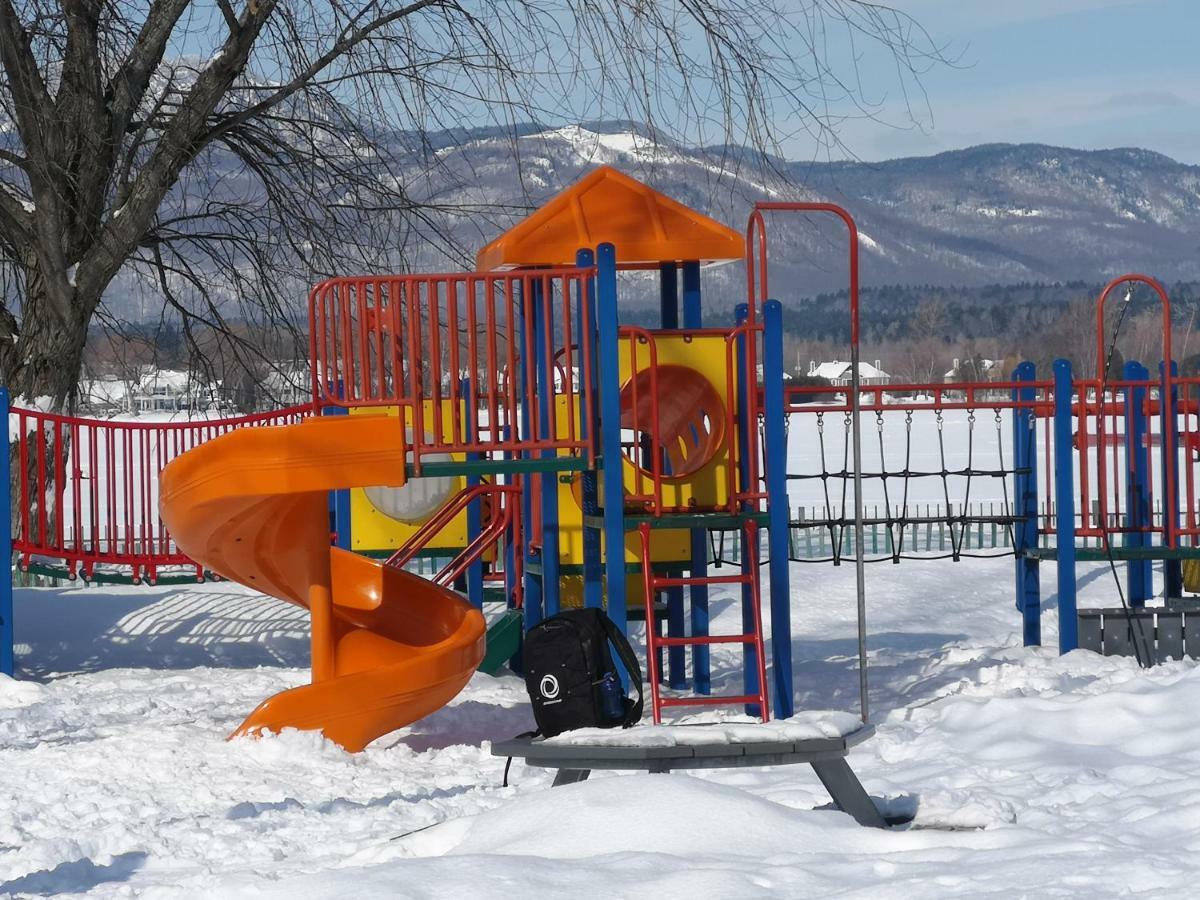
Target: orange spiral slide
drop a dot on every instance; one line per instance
(388, 647)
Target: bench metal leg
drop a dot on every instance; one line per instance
(847, 791)
(570, 776)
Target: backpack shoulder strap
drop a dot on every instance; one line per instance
(632, 666)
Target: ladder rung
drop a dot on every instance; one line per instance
(665, 581)
(709, 701)
(706, 639)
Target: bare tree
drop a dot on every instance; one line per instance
(222, 154)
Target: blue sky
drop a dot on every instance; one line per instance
(1079, 73)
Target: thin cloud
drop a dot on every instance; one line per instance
(1144, 100)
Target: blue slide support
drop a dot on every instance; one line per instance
(749, 656)
(1064, 507)
(775, 438)
(339, 501)
(533, 584)
(1138, 572)
(612, 460)
(593, 564)
(1169, 429)
(1025, 495)
(693, 317)
(474, 508)
(7, 636)
(543, 332)
(676, 656)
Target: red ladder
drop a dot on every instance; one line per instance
(653, 583)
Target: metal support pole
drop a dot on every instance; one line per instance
(693, 317)
(1138, 572)
(542, 335)
(1025, 493)
(7, 636)
(749, 655)
(608, 360)
(676, 656)
(593, 566)
(1064, 507)
(532, 594)
(474, 508)
(1169, 429)
(339, 501)
(775, 434)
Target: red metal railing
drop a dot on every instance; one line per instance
(503, 505)
(88, 493)
(452, 351)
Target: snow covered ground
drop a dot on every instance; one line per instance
(1029, 774)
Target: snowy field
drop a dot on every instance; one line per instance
(1030, 775)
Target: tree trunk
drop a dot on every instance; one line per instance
(41, 364)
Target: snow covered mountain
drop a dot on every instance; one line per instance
(997, 213)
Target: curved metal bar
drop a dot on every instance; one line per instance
(1170, 523)
(756, 231)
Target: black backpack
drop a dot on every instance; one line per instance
(570, 675)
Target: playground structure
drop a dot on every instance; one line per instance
(554, 434)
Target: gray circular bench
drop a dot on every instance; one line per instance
(827, 755)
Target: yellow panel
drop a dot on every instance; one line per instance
(370, 529)
(707, 488)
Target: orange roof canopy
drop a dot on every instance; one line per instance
(606, 206)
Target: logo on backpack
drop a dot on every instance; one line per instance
(548, 687)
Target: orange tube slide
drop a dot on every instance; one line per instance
(388, 647)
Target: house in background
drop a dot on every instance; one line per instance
(974, 369)
(837, 373)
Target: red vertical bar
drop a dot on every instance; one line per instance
(94, 488)
(435, 365)
(23, 454)
(76, 486)
(363, 319)
(346, 353)
(60, 485)
(40, 448)
(452, 340)
(510, 383)
(472, 401)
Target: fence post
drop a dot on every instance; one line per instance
(1025, 491)
(1064, 502)
(7, 638)
(1138, 572)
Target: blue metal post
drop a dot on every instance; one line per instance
(676, 656)
(608, 359)
(7, 636)
(775, 439)
(1139, 574)
(534, 611)
(593, 566)
(693, 317)
(1169, 429)
(749, 656)
(1025, 493)
(542, 332)
(474, 508)
(1064, 507)
(339, 501)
